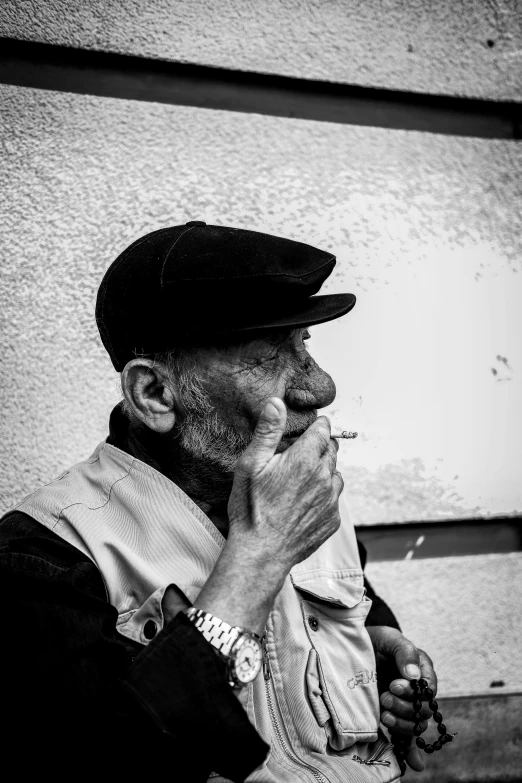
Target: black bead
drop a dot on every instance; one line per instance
(417, 731)
(448, 737)
(402, 766)
(421, 743)
(413, 684)
(443, 739)
(423, 683)
(437, 745)
(441, 728)
(429, 693)
(417, 717)
(417, 705)
(429, 749)
(437, 717)
(433, 705)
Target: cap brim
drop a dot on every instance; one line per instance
(315, 310)
(307, 312)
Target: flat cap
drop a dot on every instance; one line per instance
(194, 283)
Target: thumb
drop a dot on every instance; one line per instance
(267, 434)
(407, 658)
(393, 644)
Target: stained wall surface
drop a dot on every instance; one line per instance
(464, 611)
(469, 47)
(427, 233)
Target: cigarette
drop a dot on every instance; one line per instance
(345, 434)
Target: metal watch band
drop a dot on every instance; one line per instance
(221, 635)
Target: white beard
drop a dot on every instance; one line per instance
(204, 435)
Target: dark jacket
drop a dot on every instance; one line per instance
(79, 698)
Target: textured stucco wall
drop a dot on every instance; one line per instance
(427, 233)
(464, 611)
(469, 47)
(487, 748)
(426, 230)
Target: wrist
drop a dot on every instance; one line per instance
(241, 650)
(264, 560)
(242, 587)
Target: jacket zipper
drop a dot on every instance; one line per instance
(376, 759)
(275, 723)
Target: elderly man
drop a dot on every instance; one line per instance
(194, 579)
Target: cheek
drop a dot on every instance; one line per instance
(249, 400)
(270, 380)
(231, 399)
(239, 396)
(227, 400)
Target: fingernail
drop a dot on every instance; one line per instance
(413, 671)
(388, 719)
(397, 689)
(386, 700)
(272, 413)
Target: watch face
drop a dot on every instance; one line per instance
(247, 660)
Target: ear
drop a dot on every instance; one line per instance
(151, 398)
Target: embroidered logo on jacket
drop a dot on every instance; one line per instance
(362, 678)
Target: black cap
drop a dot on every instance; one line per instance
(191, 283)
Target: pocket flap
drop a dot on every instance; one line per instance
(344, 589)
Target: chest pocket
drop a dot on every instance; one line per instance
(334, 657)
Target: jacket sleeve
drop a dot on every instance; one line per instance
(80, 696)
(380, 613)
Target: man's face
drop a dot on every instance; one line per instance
(236, 380)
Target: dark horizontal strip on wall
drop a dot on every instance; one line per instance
(50, 67)
(487, 746)
(414, 540)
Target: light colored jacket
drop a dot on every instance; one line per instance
(316, 701)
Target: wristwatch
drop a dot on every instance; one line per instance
(240, 649)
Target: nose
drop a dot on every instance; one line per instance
(311, 388)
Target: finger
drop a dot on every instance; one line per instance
(402, 708)
(401, 687)
(267, 434)
(393, 644)
(407, 657)
(400, 725)
(412, 754)
(427, 670)
(330, 455)
(316, 438)
(337, 484)
(414, 759)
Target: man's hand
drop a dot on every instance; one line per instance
(411, 663)
(281, 509)
(284, 506)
